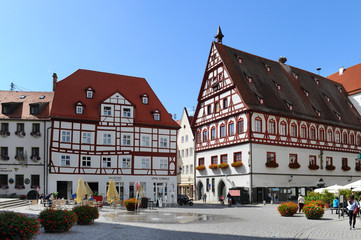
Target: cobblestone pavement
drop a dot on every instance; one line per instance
(248, 222)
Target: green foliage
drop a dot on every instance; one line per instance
(345, 193)
(287, 209)
(57, 220)
(130, 204)
(312, 196)
(17, 226)
(313, 211)
(86, 214)
(55, 194)
(328, 197)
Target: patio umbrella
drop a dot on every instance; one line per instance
(319, 190)
(334, 188)
(356, 184)
(89, 192)
(81, 191)
(112, 193)
(358, 189)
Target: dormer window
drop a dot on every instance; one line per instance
(156, 115)
(289, 105)
(268, 68)
(318, 112)
(327, 98)
(89, 93)
(338, 115)
(306, 92)
(34, 109)
(260, 99)
(316, 80)
(295, 75)
(145, 99)
(277, 85)
(240, 60)
(79, 108)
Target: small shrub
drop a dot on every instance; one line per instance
(57, 220)
(130, 204)
(287, 209)
(17, 226)
(86, 214)
(315, 203)
(313, 211)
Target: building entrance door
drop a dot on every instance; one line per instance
(64, 188)
(160, 192)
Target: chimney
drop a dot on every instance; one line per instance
(55, 79)
(282, 59)
(341, 70)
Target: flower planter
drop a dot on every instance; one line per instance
(271, 164)
(223, 165)
(357, 169)
(294, 165)
(99, 199)
(287, 209)
(313, 167)
(330, 167)
(237, 164)
(200, 167)
(213, 166)
(346, 168)
(130, 204)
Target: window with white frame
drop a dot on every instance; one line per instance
(293, 130)
(126, 162)
(187, 152)
(65, 160)
(191, 152)
(107, 138)
(186, 138)
(127, 112)
(182, 153)
(79, 110)
(272, 127)
(145, 141)
(86, 161)
(187, 169)
(107, 111)
(126, 140)
(146, 163)
(163, 142)
(65, 136)
(163, 164)
(86, 137)
(107, 162)
(156, 116)
(145, 100)
(283, 129)
(182, 139)
(191, 169)
(89, 94)
(258, 125)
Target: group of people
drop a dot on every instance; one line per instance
(353, 207)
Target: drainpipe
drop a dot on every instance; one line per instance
(46, 162)
(250, 156)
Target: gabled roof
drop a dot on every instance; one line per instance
(350, 79)
(20, 101)
(71, 90)
(293, 83)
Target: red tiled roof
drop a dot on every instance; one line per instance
(292, 89)
(71, 90)
(350, 79)
(22, 105)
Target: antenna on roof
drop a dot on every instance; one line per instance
(318, 70)
(12, 86)
(219, 35)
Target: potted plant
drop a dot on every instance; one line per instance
(237, 164)
(86, 214)
(18, 226)
(200, 167)
(57, 220)
(213, 166)
(287, 209)
(99, 198)
(130, 204)
(223, 165)
(271, 164)
(313, 211)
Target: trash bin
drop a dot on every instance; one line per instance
(144, 203)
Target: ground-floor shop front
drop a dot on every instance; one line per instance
(156, 189)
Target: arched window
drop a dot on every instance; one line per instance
(283, 131)
(272, 126)
(240, 126)
(329, 135)
(205, 136)
(303, 131)
(198, 137)
(213, 133)
(293, 130)
(258, 124)
(358, 140)
(231, 129)
(217, 107)
(312, 133)
(337, 137)
(344, 138)
(222, 131)
(352, 139)
(322, 134)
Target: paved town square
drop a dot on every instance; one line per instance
(216, 222)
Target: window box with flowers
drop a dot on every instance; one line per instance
(20, 187)
(294, 165)
(237, 164)
(272, 164)
(330, 167)
(346, 168)
(4, 186)
(35, 158)
(313, 167)
(4, 133)
(19, 157)
(4, 157)
(213, 166)
(223, 165)
(20, 133)
(35, 134)
(200, 167)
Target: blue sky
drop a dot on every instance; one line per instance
(168, 42)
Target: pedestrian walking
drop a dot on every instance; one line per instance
(301, 202)
(353, 209)
(229, 199)
(204, 197)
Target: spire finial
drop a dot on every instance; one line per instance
(219, 35)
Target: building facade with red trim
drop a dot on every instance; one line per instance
(108, 126)
(263, 127)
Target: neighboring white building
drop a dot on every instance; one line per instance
(186, 156)
(108, 126)
(263, 127)
(25, 122)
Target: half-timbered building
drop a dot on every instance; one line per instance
(108, 126)
(25, 124)
(264, 127)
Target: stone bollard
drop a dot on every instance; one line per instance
(264, 202)
(271, 202)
